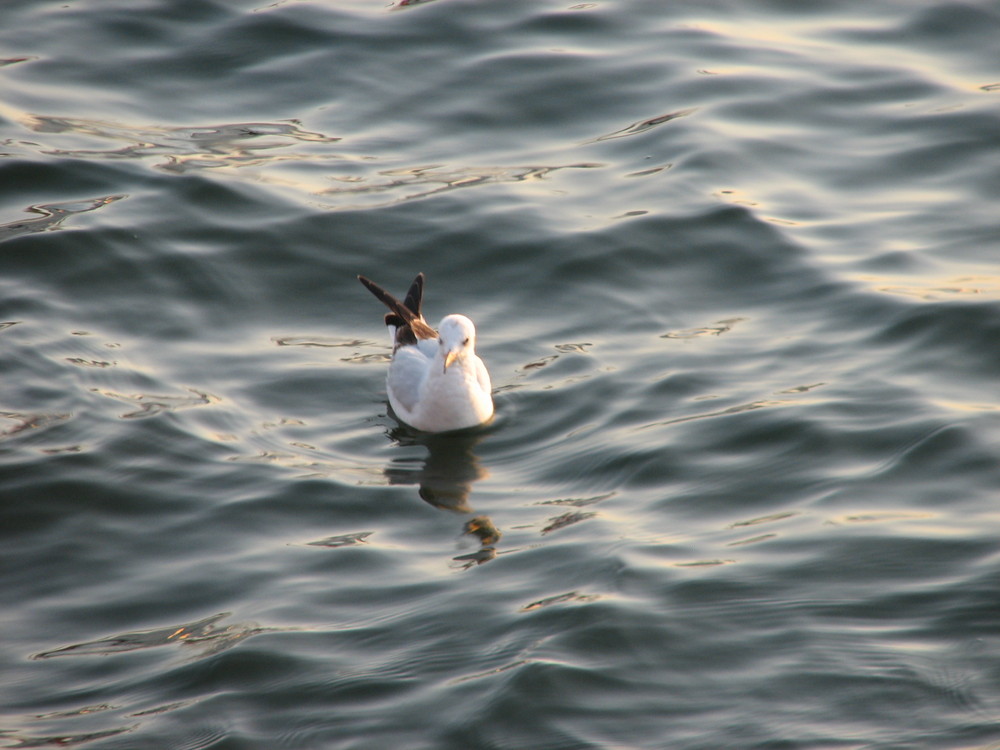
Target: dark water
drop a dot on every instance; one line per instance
(735, 271)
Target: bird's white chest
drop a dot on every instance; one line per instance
(451, 399)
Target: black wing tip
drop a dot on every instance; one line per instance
(415, 294)
(421, 277)
(406, 316)
(417, 281)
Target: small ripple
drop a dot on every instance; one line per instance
(567, 519)
(4, 62)
(715, 329)
(82, 711)
(637, 128)
(150, 405)
(574, 348)
(984, 287)
(166, 708)
(752, 540)
(25, 422)
(540, 363)
(579, 502)
(491, 672)
(480, 556)
(343, 540)
(570, 596)
(202, 633)
(52, 215)
(183, 148)
(366, 359)
(738, 409)
(82, 362)
(320, 341)
(764, 519)
(62, 740)
(887, 516)
(421, 182)
(650, 171)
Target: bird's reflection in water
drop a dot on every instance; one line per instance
(445, 477)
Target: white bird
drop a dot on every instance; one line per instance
(436, 383)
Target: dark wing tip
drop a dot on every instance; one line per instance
(415, 296)
(387, 299)
(410, 324)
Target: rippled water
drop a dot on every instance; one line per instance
(734, 268)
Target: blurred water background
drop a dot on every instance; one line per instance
(735, 271)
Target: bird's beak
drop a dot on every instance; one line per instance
(449, 358)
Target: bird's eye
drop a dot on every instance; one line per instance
(465, 343)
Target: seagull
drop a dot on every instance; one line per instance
(436, 383)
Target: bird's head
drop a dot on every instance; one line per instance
(457, 338)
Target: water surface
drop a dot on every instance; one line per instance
(734, 271)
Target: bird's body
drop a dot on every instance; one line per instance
(436, 383)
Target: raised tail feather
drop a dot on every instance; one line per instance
(405, 316)
(415, 296)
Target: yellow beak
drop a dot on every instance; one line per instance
(449, 358)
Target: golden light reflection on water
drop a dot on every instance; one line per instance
(781, 38)
(935, 288)
(967, 407)
(284, 155)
